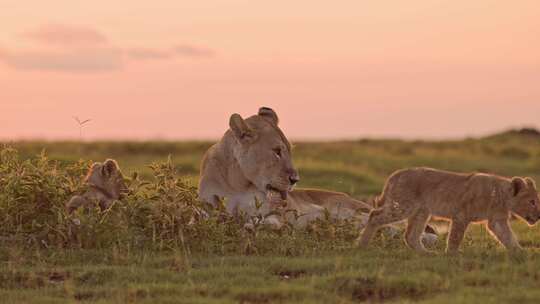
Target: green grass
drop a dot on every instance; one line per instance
(217, 263)
(384, 273)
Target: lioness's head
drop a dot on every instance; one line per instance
(108, 178)
(263, 152)
(526, 203)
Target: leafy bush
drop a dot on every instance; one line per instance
(163, 213)
(32, 197)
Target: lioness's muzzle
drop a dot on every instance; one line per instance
(282, 193)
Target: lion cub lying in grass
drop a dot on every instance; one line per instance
(105, 184)
(417, 194)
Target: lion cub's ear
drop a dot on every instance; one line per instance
(240, 129)
(109, 167)
(518, 184)
(269, 114)
(94, 169)
(530, 182)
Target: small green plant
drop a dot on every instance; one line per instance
(81, 124)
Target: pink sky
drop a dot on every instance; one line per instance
(177, 69)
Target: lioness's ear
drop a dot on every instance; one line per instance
(269, 114)
(109, 167)
(518, 184)
(530, 182)
(239, 128)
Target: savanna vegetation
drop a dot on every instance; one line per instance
(155, 247)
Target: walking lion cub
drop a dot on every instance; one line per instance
(416, 194)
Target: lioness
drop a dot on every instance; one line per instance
(105, 184)
(252, 161)
(419, 193)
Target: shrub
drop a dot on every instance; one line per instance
(162, 213)
(32, 197)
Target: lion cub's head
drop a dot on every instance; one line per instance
(108, 178)
(263, 153)
(525, 200)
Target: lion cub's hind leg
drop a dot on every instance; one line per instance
(416, 225)
(387, 214)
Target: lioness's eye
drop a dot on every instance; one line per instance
(277, 151)
(533, 202)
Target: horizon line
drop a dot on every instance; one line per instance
(75, 139)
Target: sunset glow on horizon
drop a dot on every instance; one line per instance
(178, 69)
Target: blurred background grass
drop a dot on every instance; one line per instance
(387, 271)
(356, 167)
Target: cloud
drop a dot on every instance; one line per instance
(176, 52)
(147, 54)
(82, 49)
(193, 51)
(81, 60)
(65, 48)
(66, 35)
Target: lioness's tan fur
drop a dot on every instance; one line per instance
(243, 167)
(417, 194)
(105, 184)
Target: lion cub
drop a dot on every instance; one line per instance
(105, 184)
(417, 194)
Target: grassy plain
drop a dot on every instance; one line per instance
(316, 266)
